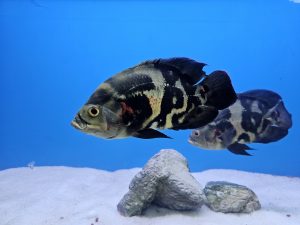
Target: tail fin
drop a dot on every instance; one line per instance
(219, 90)
(282, 118)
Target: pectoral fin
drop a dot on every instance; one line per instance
(149, 133)
(239, 149)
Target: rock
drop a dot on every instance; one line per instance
(179, 189)
(227, 197)
(142, 190)
(165, 181)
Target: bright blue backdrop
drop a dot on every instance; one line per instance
(53, 54)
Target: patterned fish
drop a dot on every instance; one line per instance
(156, 94)
(257, 116)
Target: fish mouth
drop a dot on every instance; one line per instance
(195, 142)
(192, 141)
(79, 123)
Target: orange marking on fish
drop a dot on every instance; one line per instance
(126, 108)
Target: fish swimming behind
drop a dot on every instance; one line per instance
(158, 94)
(257, 116)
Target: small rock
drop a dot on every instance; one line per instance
(227, 197)
(165, 181)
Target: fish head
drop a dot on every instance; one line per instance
(98, 121)
(211, 137)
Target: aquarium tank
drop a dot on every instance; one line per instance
(244, 168)
(54, 54)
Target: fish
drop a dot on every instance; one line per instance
(258, 116)
(157, 94)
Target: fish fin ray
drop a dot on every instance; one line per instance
(191, 70)
(279, 116)
(272, 134)
(149, 133)
(269, 98)
(239, 149)
(218, 90)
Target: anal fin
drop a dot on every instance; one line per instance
(149, 133)
(239, 149)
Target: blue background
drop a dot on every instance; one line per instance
(53, 54)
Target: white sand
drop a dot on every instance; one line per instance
(81, 196)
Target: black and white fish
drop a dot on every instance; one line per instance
(157, 94)
(257, 116)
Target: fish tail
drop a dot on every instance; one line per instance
(282, 117)
(218, 90)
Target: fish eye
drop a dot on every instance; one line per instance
(93, 111)
(196, 133)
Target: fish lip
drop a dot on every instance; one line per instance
(192, 140)
(111, 137)
(79, 123)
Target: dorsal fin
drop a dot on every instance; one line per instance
(191, 70)
(268, 97)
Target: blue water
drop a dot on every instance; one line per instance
(53, 54)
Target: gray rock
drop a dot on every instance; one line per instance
(227, 197)
(165, 181)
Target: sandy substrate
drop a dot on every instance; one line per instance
(82, 196)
